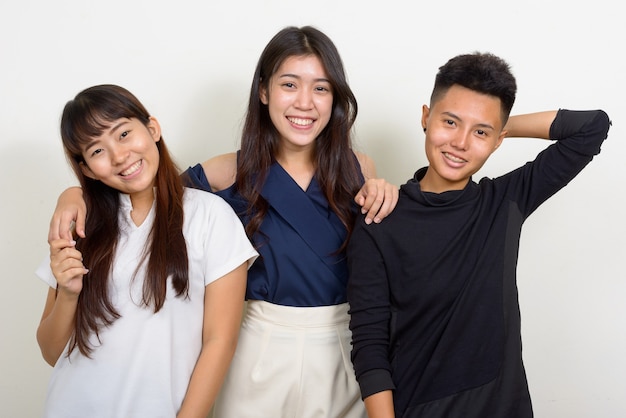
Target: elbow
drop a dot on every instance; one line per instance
(51, 356)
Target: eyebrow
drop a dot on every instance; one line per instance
(110, 130)
(317, 80)
(480, 125)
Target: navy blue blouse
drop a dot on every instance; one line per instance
(298, 242)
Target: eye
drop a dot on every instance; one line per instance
(124, 134)
(95, 152)
(450, 122)
(289, 85)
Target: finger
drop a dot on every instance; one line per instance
(53, 232)
(367, 195)
(65, 225)
(66, 254)
(61, 243)
(67, 269)
(389, 203)
(359, 199)
(80, 222)
(374, 204)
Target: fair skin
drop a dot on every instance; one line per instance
(126, 158)
(300, 102)
(463, 129)
(299, 99)
(458, 125)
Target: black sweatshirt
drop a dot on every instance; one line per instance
(432, 289)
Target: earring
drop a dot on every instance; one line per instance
(424, 129)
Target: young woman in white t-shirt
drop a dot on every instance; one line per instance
(142, 315)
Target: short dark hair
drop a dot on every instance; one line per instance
(481, 72)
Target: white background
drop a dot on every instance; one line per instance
(191, 63)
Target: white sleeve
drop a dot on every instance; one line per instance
(44, 272)
(212, 227)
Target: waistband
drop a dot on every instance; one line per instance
(297, 316)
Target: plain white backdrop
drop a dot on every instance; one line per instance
(191, 64)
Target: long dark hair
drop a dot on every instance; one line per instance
(85, 117)
(337, 170)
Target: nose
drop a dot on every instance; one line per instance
(304, 99)
(461, 140)
(119, 154)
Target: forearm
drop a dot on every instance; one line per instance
(530, 125)
(223, 309)
(56, 328)
(70, 208)
(207, 378)
(380, 405)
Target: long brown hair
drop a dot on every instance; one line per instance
(337, 169)
(85, 117)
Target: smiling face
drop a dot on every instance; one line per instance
(125, 157)
(300, 99)
(463, 129)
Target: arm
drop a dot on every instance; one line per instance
(223, 308)
(57, 322)
(369, 297)
(380, 405)
(377, 198)
(220, 170)
(70, 207)
(530, 125)
(577, 135)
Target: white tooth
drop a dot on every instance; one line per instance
(453, 158)
(302, 122)
(131, 169)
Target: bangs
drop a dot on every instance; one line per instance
(93, 111)
(89, 124)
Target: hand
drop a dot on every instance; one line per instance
(70, 207)
(377, 199)
(67, 266)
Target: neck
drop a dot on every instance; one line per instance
(299, 166)
(142, 203)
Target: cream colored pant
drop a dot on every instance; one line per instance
(292, 362)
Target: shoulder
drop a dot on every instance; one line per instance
(368, 168)
(196, 200)
(205, 211)
(221, 171)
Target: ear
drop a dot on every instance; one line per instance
(500, 139)
(425, 114)
(87, 171)
(154, 128)
(263, 94)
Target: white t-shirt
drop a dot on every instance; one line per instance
(145, 360)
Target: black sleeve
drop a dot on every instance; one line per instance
(368, 296)
(585, 130)
(579, 136)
